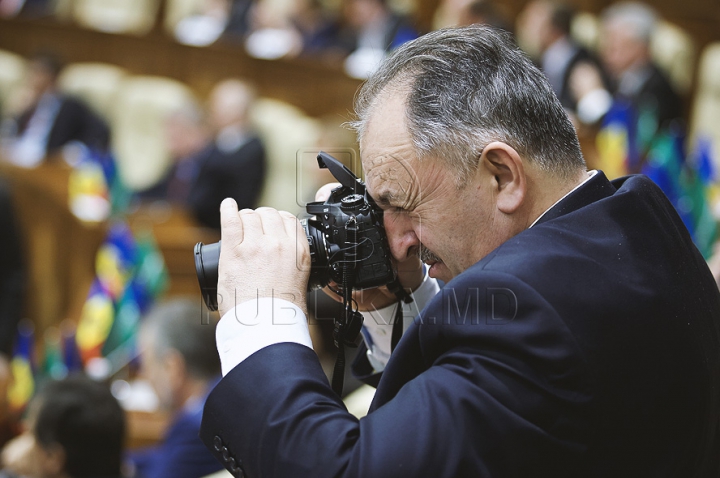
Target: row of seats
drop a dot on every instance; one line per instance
(135, 107)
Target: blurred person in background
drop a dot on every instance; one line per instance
(547, 24)
(235, 163)
(179, 359)
(372, 29)
(484, 12)
(215, 155)
(626, 31)
(188, 141)
(49, 119)
(25, 8)
(75, 429)
(216, 18)
(303, 28)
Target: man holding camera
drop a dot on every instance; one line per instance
(578, 333)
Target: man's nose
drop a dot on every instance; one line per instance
(400, 234)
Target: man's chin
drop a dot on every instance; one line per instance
(439, 270)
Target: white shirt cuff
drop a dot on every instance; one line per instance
(256, 324)
(594, 105)
(378, 323)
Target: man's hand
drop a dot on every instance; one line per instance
(410, 274)
(264, 253)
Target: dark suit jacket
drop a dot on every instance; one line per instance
(181, 453)
(74, 122)
(239, 174)
(585, 346)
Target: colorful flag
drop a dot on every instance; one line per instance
(53, 364)
(616, 141)
(152, 276)
(95, 322)
(22, 386)
(116, 260)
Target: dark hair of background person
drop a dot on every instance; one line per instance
(177, 325)
(561, 18)
(467, 87)
(84, 418)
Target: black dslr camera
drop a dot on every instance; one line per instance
(348, 245)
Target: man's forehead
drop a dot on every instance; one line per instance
(389, 177)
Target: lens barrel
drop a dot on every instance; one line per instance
(207, 258)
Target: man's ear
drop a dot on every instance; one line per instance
(507, 168)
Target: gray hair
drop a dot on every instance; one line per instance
(177, 324)
(467, 87)
(639, 18)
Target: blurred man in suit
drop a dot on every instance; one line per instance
(179, 360)
(627, 28)
(578, 333)
(50, 119)
(214, 158)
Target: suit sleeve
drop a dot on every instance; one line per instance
(462, 395)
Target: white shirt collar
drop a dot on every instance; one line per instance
(590, 175)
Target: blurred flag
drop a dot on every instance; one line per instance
(116, 259)
(71, 354)
(88, 192)
(151, 279)
(124, 327)
(616, 141)
(22, 387)
(95, 322)
(53, 364)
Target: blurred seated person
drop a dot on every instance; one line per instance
(306, 28)
(75, 429)
(179, 359)
(12, 273)
(548, 24)
(372, 29)
(217, 18)
(224, 159)
(484, 12)
(25, 8)
(49, 119)
(626, 31)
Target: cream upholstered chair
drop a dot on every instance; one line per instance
(96, 83)
(176, 10)
(12, 71)
(141, 108)
(116, 16)
(286, 132)
(673, 50)
(705, 121)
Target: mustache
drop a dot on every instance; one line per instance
(426, 255)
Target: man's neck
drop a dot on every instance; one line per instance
(546, 200)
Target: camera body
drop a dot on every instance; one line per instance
(348, 244)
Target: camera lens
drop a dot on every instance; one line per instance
(207, 258)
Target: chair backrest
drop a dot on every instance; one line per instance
(96, 83)
(12, 72)
(141, 108)
(116, 16)
(705, 120)
(673, 50)
(286, 132)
